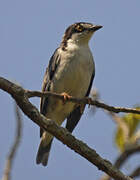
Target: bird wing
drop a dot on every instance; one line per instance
(75, 115)
(49, 74)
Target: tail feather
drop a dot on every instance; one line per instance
(43, 153)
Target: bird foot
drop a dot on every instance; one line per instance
(65, 97)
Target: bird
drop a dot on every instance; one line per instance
(70, 72)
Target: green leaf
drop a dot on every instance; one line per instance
(132, 121)
(120, 139)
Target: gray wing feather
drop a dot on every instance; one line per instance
(49, 74)
(76, 114)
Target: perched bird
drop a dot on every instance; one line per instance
(70, 72)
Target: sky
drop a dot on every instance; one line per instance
(30, 31)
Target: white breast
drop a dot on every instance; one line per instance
(75, 70)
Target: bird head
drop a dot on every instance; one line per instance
(80, 32)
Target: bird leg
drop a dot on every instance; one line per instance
(65, 97)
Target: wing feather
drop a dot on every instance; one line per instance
(48, 77)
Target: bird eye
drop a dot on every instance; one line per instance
(79, 28)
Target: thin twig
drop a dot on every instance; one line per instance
(127, 153)
(120, 123)
(135, 173)
(12, 153)
(123, 157)
(83, 101)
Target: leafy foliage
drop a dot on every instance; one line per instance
(131, 122)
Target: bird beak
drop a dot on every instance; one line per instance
(96, 27)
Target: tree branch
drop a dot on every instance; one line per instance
(10, 158)
(21, 98)
(85, 100)
(135, 173)
(119, 121)
(127, 153)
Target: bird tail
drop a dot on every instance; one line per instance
(43, 152)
